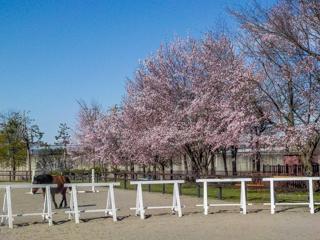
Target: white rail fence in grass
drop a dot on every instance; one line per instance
(7, 215)
(273, 202)
(243, 195)
(110, 208)
(176, 203)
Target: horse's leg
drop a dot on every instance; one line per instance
(60, 205)
(63, 193)
(64, 198)
(53, 198)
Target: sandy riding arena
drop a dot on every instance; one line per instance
(226, 223)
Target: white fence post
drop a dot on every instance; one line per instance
(176, 197)
(205, 197)
(93, 180)
(272, 197)
(243, 197)
(33, 174)
(139, 204)
(49, 207)
(311, 200)
(45, 205)
(108, 203)
(113, 205)
(75, 203)
(4, 208)
(9, 207)
(71, 212)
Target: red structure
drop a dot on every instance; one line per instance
(291, 160)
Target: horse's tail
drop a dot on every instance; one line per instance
(67, 180)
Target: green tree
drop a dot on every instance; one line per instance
(31, 135)
(19, 134)
(12, 145)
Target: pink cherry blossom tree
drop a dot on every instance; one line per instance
(283, 42)
(191, 97)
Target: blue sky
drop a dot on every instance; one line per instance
(55, 52)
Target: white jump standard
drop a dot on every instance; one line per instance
(7, 215)
(273, 203)
(176, 203)
(110, 203)
(93, 181)
(243, 197)
(33, 174)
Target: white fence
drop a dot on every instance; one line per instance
(110, 200)
(176, 203)
(7, 215)
(243, 195)
(273, 202)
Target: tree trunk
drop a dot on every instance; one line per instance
(65, 157)
(132, 170)
(234, 151)
(13, 168)
(171, 169)
(185, 164)
(154, 171)
(144, 171)
(29, 159)
(224, 158)
(307, 154)
(258, 161)
(212, 166)
(163, 171)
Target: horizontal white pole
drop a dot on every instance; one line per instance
(156, 207)
(223, 204)
(87, 191)
(278, 179)
(92, 210)
(284, 204)
(27, 185)
(225, 180)
(157, 182)
(92, 184)
(29, 214)
(287, 204)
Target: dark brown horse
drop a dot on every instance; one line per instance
(49, 179)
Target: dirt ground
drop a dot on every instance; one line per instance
(221, 223)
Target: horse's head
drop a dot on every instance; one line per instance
(41, 179)
(35, 181)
